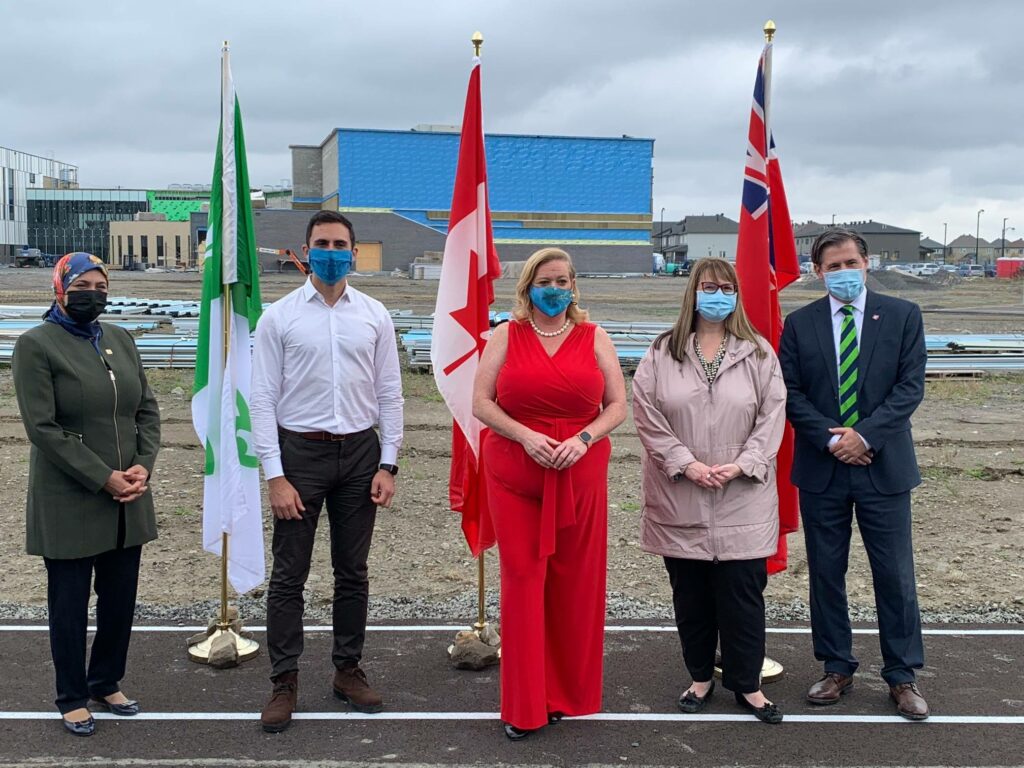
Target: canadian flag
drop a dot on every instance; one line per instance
(461, 319)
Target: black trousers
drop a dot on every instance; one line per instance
(721, 601)
(339, 473)
(67, 592)
(884, 523)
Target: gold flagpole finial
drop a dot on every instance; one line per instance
(769, 30)
(477, 40)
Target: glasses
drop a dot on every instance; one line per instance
(727, 288)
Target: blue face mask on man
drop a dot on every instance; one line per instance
(715, 307)
(845, 284)
(550, 299)
(330, 266)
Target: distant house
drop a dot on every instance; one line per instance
(931, 250)
(964, 248)
(706, 236)
(1007, 248)
(890, 243)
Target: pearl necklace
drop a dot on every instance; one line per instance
(550, 334)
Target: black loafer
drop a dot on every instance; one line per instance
(555, 717)
(128, 708)
(515, 734)
(691, 703)
(81, 728)
(769, 713)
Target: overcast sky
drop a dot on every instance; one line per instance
(903, 111)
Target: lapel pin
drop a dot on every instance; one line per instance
(109, 351)
(874, 317)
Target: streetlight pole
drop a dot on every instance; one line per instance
(977, 238)
(662, 233)
(944, 257)
(1002, 243)
(833, 219)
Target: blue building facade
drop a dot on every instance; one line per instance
(588, 192)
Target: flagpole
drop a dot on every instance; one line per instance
(222, 645)
(481, 616)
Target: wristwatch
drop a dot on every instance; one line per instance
(586, 437)
(392, 468)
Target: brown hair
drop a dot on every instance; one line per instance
(524, 307)
(836, 236)
(736, 324)
(330, 217)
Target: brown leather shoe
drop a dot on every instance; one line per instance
(909, 701)
(350, 685)
(829, 689)
(277, 715)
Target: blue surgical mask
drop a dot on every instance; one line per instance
(550, 300)
(845, 284)
(715, 307)
(330, 266)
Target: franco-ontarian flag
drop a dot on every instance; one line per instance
(220, 404)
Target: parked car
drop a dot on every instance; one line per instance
(928, 269)
(971, 270)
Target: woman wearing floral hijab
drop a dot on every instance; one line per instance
(94, 426)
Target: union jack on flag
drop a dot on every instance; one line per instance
(766, 262)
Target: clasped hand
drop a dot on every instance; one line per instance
(129, 485)
(850, 447)
(552, 454)
(712, 478)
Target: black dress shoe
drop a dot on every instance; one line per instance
(515, 734)
(769, 713)
(555, 717)
(85, 727)
(128, 708)
(691, 703)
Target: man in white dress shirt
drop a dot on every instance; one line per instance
(325, 372)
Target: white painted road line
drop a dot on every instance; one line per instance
(612, 717)
(935, 632)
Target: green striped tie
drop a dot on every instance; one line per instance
(848, 354)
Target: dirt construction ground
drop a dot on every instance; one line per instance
(968, 512)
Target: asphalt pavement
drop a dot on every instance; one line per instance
(438, 716)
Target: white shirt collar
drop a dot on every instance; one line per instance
(309, 292)
(859, 303)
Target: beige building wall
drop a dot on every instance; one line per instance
(154, 243)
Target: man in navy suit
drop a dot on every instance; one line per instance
(854, 365)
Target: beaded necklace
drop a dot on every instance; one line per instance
(711, 366)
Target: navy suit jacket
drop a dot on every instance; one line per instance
(890, 385)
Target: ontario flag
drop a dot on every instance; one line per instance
(461, 319)
(766, 262)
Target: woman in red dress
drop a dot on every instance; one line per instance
(550, 389)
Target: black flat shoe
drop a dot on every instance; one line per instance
(128, 708)
(515, 734)
(691, 703)
(769, 713)
(81, 728)
(555, 717)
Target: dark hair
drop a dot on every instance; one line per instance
(836, 236)
(330, 217)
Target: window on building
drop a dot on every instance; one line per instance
(160, 250)
(896, 255)
(31, 178)
(144, 247)
(131, 246)
(885, 254)
(177, 249)
(120, 251)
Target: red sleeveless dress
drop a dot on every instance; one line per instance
(551, 528)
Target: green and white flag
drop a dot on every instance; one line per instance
(220, 404)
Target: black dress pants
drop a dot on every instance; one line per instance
(721, 601)
(67, 591)
(339, 473)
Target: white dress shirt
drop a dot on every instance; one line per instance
(858, 305)
(322, 368)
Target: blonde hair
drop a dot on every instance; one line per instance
(524, 306)
(737, 324)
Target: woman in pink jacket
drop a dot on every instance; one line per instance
(709, 405)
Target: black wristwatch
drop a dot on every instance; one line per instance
(586, 437)
(392, 468)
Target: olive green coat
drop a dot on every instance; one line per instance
(84, 421)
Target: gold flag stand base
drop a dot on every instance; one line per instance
(479, 646)
(222, 646)
(771, 670)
